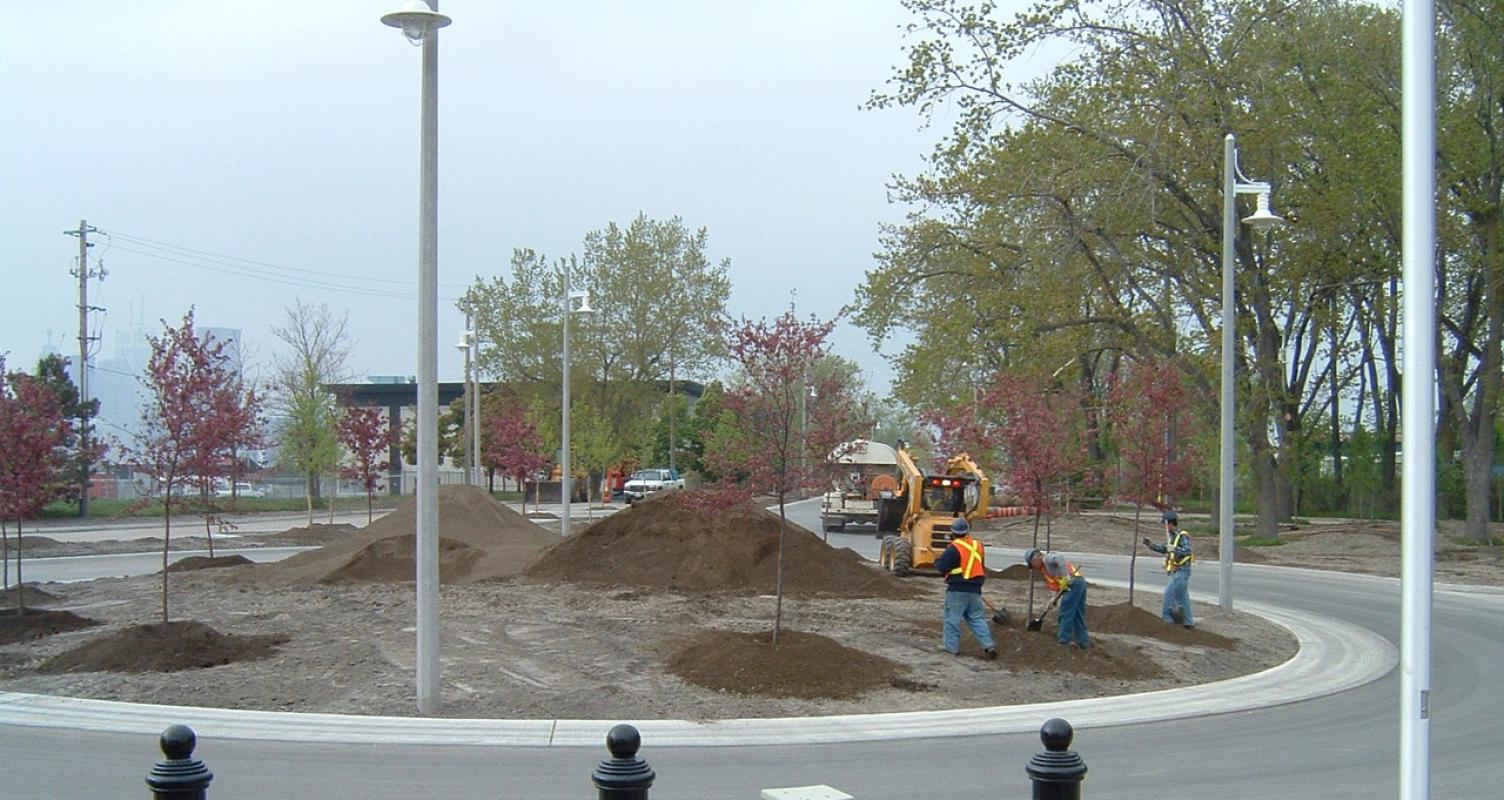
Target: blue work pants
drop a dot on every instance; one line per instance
(1178, 593)
(1073, 615)
(965, 606)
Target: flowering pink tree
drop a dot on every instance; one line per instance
(367, 438)
(782, 434)
(1149, 410)
(511, 445)
(32, 458)
(196, 411)
(963, 430)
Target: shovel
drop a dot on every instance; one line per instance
(1038, 623)
(999, 614)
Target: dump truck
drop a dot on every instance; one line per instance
(862, 473)
(915, 522)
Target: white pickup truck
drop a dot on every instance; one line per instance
(647, 481)
(862, 472)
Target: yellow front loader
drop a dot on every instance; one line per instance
(915, 521)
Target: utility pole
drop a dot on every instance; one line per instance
(84, 274)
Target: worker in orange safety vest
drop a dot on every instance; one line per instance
(964, 566)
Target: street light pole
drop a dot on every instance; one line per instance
(420, 24)
(1261, 219)
(565, 488)
(464, 345)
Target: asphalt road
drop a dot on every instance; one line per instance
(1343, 745)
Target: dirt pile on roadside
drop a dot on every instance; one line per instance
(36, 623)
(798, 666)
(1135, 621)
(34, 594)
(205, 562)
(175, 646)
(479, 539)
(319, 533)
(663, 544)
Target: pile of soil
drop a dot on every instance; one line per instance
(319, 533)
(662, 543)
(162, 648)
(479, 539)
(36, 623)
(799, 665)
(205, 562)
(1135, 621)
(34, 594)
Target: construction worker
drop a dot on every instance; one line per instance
(1065, 580)
(964, 566)
(1176, 609)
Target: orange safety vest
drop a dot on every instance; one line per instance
(1058, 582)
(972, 558)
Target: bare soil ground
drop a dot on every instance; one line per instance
(656, 611)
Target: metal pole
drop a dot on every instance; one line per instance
(475, 428)
(465, 404)
(427, 555)
(1225, 498)
(83, 364)
(1418, 508)
(564, 424)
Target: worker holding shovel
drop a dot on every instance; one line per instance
(1178, 558)
(1065, 580)
(963, 566)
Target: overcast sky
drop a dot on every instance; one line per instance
(281, 138)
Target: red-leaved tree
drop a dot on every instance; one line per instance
(196, 411)
(780, 438)
(367, 438)
(511, 444)
(1149, 411)
(32, 458)
(1036, 430)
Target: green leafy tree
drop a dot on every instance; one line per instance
(52, 371)
(318, 347)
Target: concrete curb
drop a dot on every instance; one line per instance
(1333, 657)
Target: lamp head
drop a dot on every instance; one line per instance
(585, 304)
(1262, 219)
(416, 19)
(464, 342)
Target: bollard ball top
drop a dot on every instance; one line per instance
(1056, 734)
(178, 742)
(623, 741)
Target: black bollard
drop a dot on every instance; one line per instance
(623, 776)
(180, 776)
(1057, 772)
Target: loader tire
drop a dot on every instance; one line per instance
(903, 558)
(885, 553)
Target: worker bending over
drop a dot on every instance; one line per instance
(964, 566)
(1066, 581)
(1178, 558)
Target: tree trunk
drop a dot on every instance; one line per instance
(20, 582)
(166, 543)
(1133, 559)
(5, 553)
(783, 525)
(1477, 464)
(308, 496)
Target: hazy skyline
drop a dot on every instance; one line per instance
(241, 154)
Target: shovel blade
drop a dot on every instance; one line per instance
(1036, 624)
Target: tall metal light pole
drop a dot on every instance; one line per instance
(464, 346)
(1233, 184)
(565, 488)
(420, 24)
(1418, 507)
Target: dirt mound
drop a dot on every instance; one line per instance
(662, 544)
(162, 648)
(479, 539)
(33, 595)
(317, 533)
(1135, 621)
(36, 623)
(798, 666)
(205, 562)
(1022, 650)
(30, 542)
(392, 561)
(1015, 572)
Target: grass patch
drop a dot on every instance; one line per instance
(1463, 541)
(1259, 541)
